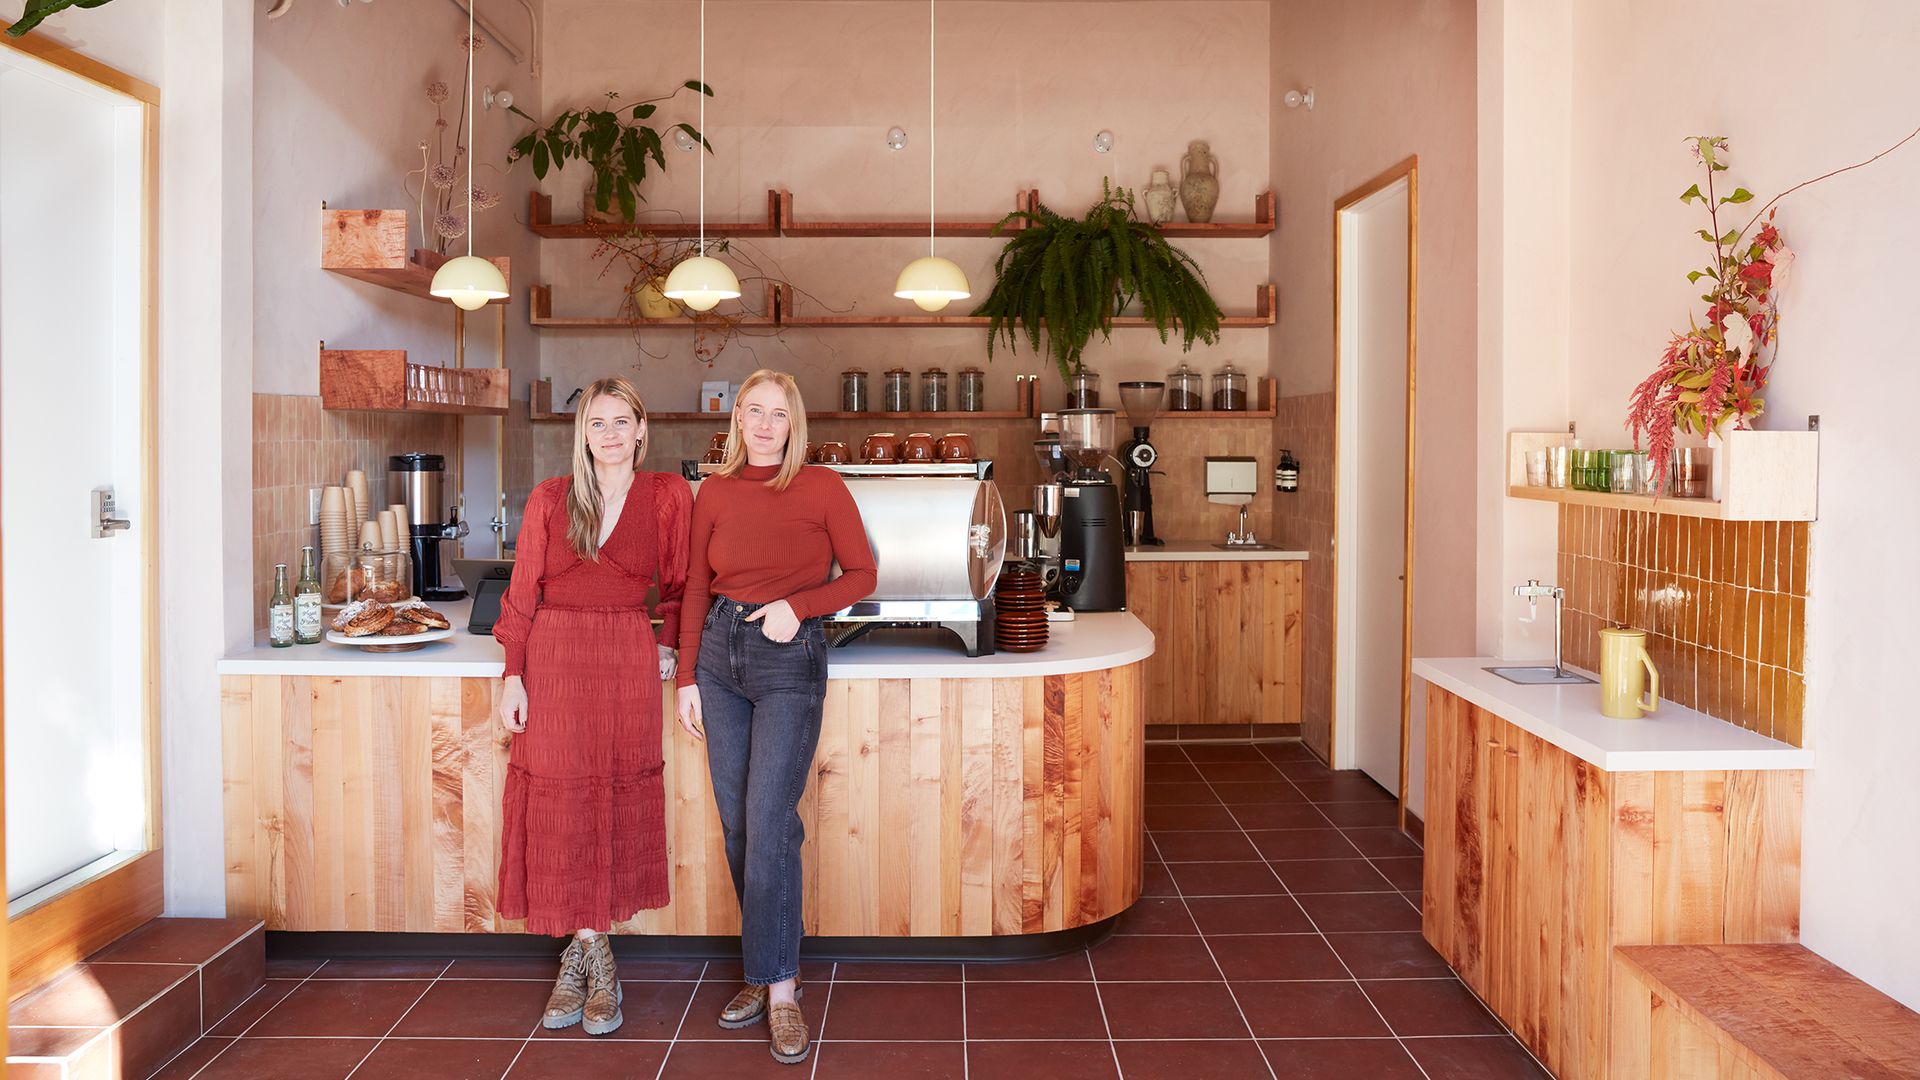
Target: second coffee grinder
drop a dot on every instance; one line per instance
(1093, 568)
(1142, 402)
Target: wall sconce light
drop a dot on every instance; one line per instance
(1103, 142)
(1297, 98)
(896, 138)
(1286, 474)
(489, 96)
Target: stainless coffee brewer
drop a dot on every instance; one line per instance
(415, 480)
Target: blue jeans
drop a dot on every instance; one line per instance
(762, 702)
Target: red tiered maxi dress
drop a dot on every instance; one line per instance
(583, 837)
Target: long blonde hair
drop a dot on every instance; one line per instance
(796, 455)
(584, 508)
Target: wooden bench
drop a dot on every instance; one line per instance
(1753, 1011)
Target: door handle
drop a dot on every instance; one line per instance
(104, 523)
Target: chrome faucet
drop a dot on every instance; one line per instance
(1533, 591)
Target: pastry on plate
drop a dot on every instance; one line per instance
(363, 617)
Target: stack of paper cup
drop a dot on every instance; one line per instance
(334, 534)
(358, 508)
(389, 541)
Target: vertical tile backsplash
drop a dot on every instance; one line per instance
(1724, 604)
(1303, 521)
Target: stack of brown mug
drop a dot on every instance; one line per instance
(917, 448)
(1020, 612)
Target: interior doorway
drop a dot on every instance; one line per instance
(1375, 231)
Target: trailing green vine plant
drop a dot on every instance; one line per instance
(613, 142)
(1068, 278)
(36, 10)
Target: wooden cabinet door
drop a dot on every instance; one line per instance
(1227, 640)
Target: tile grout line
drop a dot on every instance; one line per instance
(686, 1011)
(966, 1068)
(813, 1044)
(1100, 1000)
(235, 1041)
(401, 1019)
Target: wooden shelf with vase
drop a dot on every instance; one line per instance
(540, 401)
(382, 380)
(1265, 305)
(540, 222)
(1761, 476)
(540, 315)
(371, 246)
(1022, 200)
(1265, 219)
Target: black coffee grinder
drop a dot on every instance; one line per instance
(1142, 402)
(1093, 556)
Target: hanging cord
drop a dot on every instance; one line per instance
(470, 131)
(931, 31)
(701, 150)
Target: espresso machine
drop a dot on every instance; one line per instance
(415, 480)
(1142, 402)
(1093, 569)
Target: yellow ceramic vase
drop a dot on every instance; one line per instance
(1629, 683)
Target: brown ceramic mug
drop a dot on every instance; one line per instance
(719, 441)
(954, 446)
(713, 457)
(832, 452)
(880, 448)
(813, 452)
(917, 447)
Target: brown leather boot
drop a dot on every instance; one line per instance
(787, 1033)
(749, 1006)
(570, 989)
(601, 1012)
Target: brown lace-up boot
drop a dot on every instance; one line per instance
(601, 1013)
(570, 989)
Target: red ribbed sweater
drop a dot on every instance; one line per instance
(758, 545)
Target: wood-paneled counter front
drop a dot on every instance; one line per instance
(962, 798)
(1229, 632)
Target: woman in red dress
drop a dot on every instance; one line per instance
(584, 825)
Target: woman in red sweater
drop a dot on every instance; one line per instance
(767, 529)
(583, 842)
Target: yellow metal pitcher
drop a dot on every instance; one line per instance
(1629, 683)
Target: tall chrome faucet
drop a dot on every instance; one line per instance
(1533, 591)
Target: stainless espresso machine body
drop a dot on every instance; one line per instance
(939, 535)
(415, 480)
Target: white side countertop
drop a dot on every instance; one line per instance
(1089, 643)
(1673, 739)
(1204, 551)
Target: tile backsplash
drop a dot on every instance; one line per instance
(1724, 604)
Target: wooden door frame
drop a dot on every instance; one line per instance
(66, 928)
(1409, 170)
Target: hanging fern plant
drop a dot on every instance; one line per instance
(1068, 278)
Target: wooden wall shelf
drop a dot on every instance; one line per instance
(1265, 304)
(1761, 476)
(381, 380)
(1266, 396)
(540, 221)
(1022, 200)
(540, 316)
(540, 410)
(371, 246)
(1265, 218)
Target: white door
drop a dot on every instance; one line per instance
(73, 349)
(1370, 535)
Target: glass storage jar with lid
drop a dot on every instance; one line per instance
(933, 390)
(898, 395)
(1186, 390)
(1229, 390)
(1083, 390)
(854, 395)
(973, 389)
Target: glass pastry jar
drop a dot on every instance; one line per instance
(854, 393)
(973, 389)
(933, 390)
(897, 396)
(1229, 390)
(1186, 390)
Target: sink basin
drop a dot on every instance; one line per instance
(1541, 675)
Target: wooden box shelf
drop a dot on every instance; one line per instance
(541, 317)
(790, 227)
(1761, 476)
(540, 221)
(371, 246)
(381, 380)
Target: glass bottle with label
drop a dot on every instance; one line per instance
(306, 601)
(280, 611)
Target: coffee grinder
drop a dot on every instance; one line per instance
(1093, 569)
(1142, 402)
(415, 480)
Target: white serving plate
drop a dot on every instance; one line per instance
(377, 640)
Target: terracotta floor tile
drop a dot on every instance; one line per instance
(1383, 843)
(1303, 844)
(1156, 880)
(96, 995)
(1239, 772)
(291, 967)
(1405, 871)
(1389, 956)
(568, 1060)
(1156, 915)
(1476, 1058)
(654, 1010)
(253, 1008)
(1170, 959)
(896, 1011)
(895, 971)
(1261, 793)
(231, 977)
(651, 969)
(1216, 752)
(288, 1059)
(1287, 751)
(1298, 815)
(434, 1059)
(1145, 1010)
(1034, 1011)
(703, 1013)
(1334, 913)
(524, 968)
(1212, 816)
(151, 1037)
(1174, 1060)
(1308, 769)
(1311, 1010)
(480, 1009)
(341, 1009)
(1248, 915)
(728, 1061)
(1431, 1007)
(1159, 752)
(1225, 879)
(193, 1059)
(1362, 815)
(1330, 875)
(895, 1061)
(1186, 794)
(1171, 772)
(1031, 1060)
(1275, 956)
(813, 971)
(1213, 846)
(1344, 788)
(1340, 1059)
(1073, 967)
(175, 941)
(380, 968)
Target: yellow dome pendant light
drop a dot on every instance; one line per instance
(469, 281)
(700, 282)
(931, 282)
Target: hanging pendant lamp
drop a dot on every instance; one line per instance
(469, 281)
(931, 282)
(700, 282)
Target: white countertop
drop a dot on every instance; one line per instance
(1671, 740)
(1204, 551)
(1090, 642)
